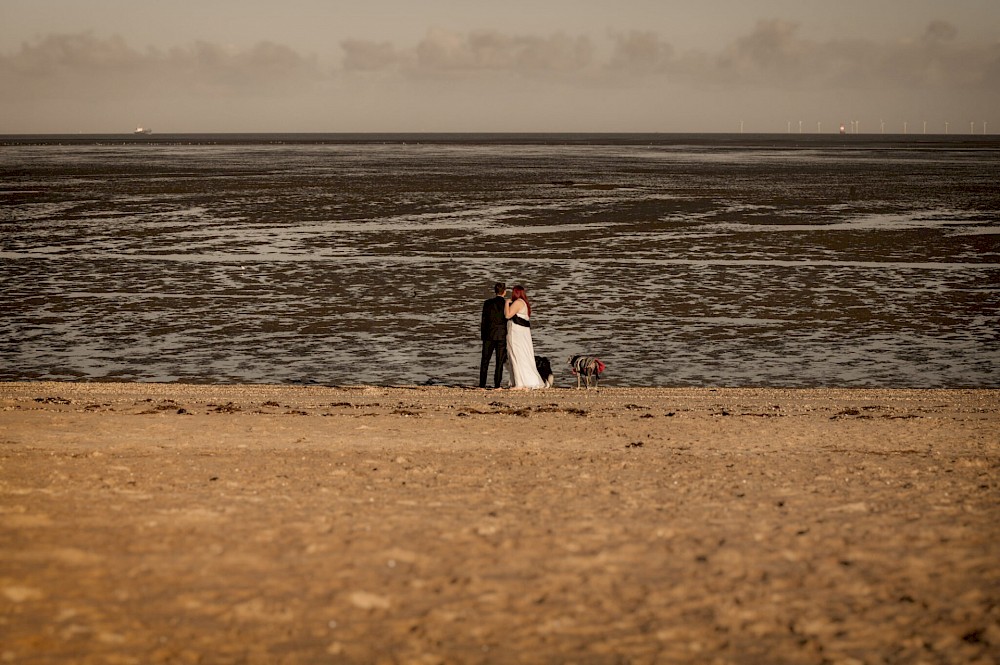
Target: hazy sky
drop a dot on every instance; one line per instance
(498, 65)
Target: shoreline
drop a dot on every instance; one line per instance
(86, 386)
(148, 523)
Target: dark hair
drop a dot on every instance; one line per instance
(518, 292)
(499, 288)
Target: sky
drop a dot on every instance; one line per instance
(108, 66)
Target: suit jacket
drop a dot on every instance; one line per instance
(494, 324)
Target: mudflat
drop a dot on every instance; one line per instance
(166, 523)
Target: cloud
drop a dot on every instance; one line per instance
(641, 51)
(774, 54)
(939, 30)
(368, 56)
(771, 55)
(449, 53)
(83, 65)
(772, 50)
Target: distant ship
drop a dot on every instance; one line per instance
(143, 130)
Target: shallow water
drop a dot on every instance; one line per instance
(340, 263)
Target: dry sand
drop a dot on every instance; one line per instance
(145, 523)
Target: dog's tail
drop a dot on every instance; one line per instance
(549, 380)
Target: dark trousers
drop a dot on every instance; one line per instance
(493, 347)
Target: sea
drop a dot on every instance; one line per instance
(714, 260)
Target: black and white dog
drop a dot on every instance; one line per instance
(586, 367)
(545, 370)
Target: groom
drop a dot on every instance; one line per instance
(493, 331)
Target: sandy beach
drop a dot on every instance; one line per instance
(165, 523)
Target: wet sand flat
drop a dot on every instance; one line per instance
(780, 260)
(166, 523)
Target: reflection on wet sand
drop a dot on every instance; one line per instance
(339, 264)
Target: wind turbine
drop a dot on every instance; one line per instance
(945, 126)
(904, 126)
(881, 126)
(819, 125)
(925, 126)
(800, 126)
(972, 128)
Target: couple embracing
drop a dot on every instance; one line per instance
(506, 334)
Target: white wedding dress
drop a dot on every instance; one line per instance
(521, 356)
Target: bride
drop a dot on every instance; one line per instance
(520, 350)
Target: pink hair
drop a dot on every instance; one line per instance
(518, 292)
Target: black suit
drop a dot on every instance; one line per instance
(493, 331)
